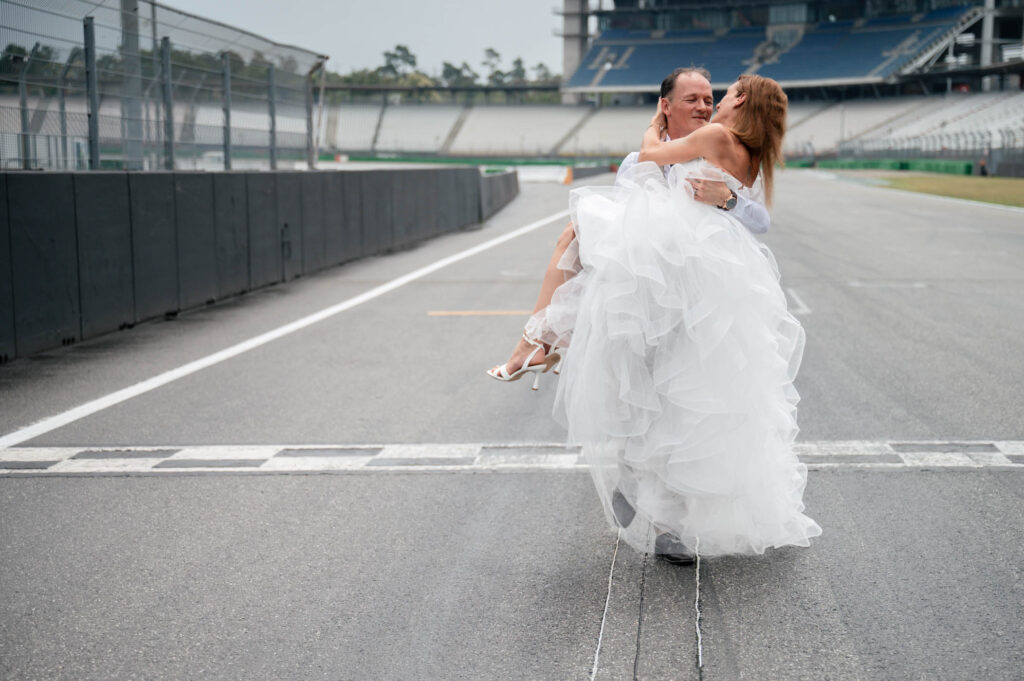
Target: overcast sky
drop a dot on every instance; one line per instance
(355, 33)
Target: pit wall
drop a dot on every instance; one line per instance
(83, 254)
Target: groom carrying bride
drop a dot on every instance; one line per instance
(687, 103)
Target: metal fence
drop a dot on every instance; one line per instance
(136, 85)
(1001, 150)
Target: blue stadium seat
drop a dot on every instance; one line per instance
(830, 50)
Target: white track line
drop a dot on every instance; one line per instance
(696, 607)
(99, 404)
(954, 199)
(477, 457)
(607, 600)
(801, 306)
(825, 175)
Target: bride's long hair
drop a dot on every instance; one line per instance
(761, 123)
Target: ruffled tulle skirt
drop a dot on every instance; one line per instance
(678, 378)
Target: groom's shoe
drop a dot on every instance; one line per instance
(671, 550)
(624, 513)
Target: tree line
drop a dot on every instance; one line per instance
(197, 76)
(400, 68)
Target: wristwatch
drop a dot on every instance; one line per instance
(730, 202)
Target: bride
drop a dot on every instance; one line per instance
(678, 378)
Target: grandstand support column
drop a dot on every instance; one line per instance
(575, 19)
(987, 48)
(92, 93)
(26, 128)
(225, 59)
(842, 128)
(168, 97)
(380, 122)
(272, 113)
(131, 86)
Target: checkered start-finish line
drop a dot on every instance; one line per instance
(850, 454)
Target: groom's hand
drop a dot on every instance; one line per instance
(710, 192)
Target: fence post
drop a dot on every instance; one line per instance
(225, 58)
(132, 147)
(26, 143)
(271, 94)
(309, 120)
(63, 88)
(168, 92)
(92, 92)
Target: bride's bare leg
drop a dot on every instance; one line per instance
(553, 277)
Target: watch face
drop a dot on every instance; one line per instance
(731, 203)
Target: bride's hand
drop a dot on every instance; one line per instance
(711, 192)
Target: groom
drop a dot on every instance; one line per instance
(688, 103)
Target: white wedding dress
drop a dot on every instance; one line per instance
(678, 378)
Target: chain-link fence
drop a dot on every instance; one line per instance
(135, 85)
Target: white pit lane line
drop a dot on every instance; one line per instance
(71, 415)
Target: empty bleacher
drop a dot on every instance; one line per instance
(822, 132)
(844, 50)
(612, 131)
(515, 130)
(813, 127)
(417, 127)
(853, 51)
(624, 63)
(352, 127)
(954, 121)
(800, 111)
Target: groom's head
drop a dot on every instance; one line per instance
(688, 101)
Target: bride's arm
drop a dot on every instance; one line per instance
(704, 142)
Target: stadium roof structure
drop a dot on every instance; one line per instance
(860, 51)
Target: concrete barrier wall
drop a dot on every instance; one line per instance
(6, 284)
(496, 190)
(197, 239)
(105, 270)
(581, 172)
(83, 254)
(44, 260)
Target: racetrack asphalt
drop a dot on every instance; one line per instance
(914, 317)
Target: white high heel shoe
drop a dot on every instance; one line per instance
(557, 369)
(502, 373)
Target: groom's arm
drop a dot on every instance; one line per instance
(626, 164)
(752, 214)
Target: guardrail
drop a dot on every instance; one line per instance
(86, 253)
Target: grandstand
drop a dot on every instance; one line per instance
(815, 128)
(855, 51)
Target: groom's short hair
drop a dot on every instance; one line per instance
(670, 81)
